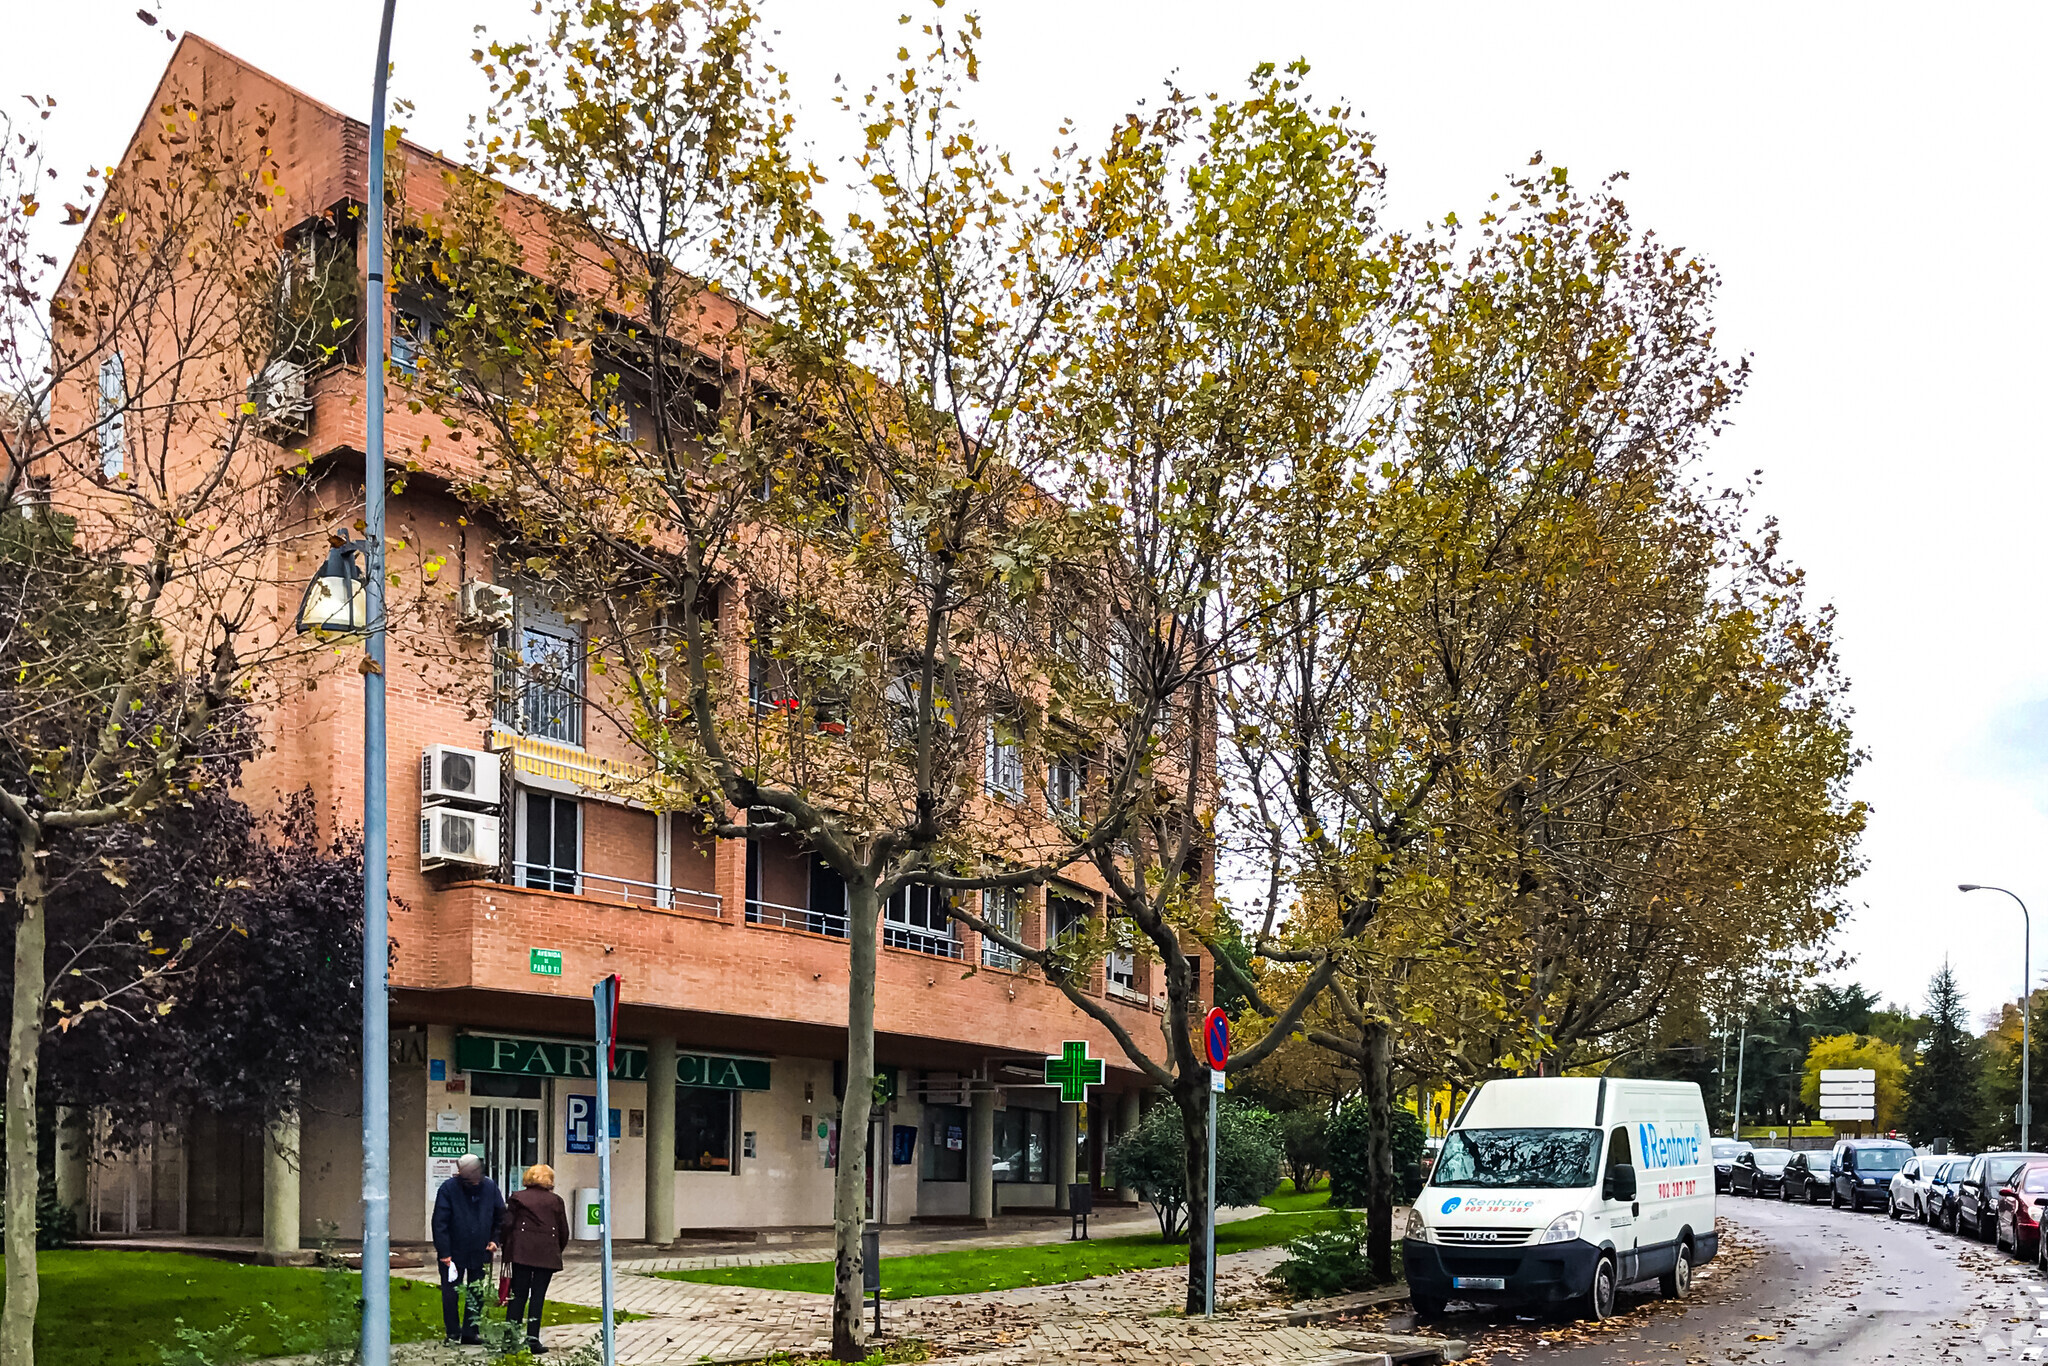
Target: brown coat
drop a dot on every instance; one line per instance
(535, 1229)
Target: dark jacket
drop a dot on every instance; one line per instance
(535, 1229)
(466, 1219)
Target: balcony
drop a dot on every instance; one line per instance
(623, 891)
(779, 916)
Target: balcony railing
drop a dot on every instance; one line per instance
(625, 891)
(796, 918)
(994, 955)
(897, 936)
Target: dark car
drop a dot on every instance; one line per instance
(1861, 1170)
(1760, 1171)
(2019, 1210)
(1976, 1194)
(1801, 1181)
(1726, 1151)
(1939, 1207)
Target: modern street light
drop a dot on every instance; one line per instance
(2026, 998)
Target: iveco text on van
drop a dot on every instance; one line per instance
(1560, 1190)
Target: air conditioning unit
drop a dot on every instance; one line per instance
(485, 606)
(452, 836)
(466, 777)
(279, 393)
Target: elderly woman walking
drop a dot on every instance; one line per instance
(533, 1231)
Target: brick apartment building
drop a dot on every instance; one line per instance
(732, 952)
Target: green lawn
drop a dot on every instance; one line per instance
(977, 1269)
(1287, 1200)
(100, 1307)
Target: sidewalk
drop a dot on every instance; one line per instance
(1132, 1317)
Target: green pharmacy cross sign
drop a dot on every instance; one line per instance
(1073, 1071)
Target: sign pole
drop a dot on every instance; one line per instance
(1209, 1248)
(1216, 1050)
(607, 1002)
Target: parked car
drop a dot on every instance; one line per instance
(1760, 1171)
(2019, 1210)
(1940, 1206)
(1907, 1198)
(1802, 1180)
(1977, 1192)
(1726, 1150)
(1861, 1169)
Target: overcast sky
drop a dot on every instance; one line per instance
(1866, 177)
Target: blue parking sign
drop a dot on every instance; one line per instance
(582, 1135)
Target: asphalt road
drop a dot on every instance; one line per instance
(1806, 1284)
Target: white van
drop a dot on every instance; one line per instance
(1558, 1190)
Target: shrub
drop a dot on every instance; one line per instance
(1152, 1160)
(1305, 1145)
(1331, 1261)
(1350, 1136)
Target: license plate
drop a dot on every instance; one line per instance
(1479, 1283)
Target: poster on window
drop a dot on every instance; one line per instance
(956, 1137)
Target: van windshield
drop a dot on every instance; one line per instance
(1881, 1159)
(1519, 1157)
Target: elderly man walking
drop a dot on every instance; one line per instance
(466, 1215)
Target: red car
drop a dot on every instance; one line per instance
(2020, 1208)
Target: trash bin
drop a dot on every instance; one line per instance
(589, 1215)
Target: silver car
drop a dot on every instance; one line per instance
(1912, 1194)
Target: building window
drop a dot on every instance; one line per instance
(767, 687)
(1121, 965)
(538, 684)
(1002, 907)
(945, 1143)
(918, 919)
(1023, 1146)
(113, 424)
(408, 334)
(1067, 914)
(551, 842)
(1063, 775)
(1123, 970)
(1005, 772)
(705, 1122)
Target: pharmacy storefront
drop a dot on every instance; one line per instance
(514, 1101)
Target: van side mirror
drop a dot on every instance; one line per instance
(1621, 1182)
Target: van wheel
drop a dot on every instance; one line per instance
(1676, 1283)
(1426, 1307)
(1834, 1196)
(1598, 1301)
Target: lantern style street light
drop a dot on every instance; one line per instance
(336, 602)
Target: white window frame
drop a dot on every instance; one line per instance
(1003, 772)
(1002, 907)
(532, 624)
(907, 921)
(1063, 786)
(113, 419)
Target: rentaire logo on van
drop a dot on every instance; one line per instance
(1452, 1204)
(1670, 1145)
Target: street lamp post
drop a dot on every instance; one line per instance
(2026, 998)
(376, 1340)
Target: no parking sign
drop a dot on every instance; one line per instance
(1216, 1038)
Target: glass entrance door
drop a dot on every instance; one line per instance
(506, 1135)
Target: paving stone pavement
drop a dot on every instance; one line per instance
(1132, 1317)
(1127, 1318)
